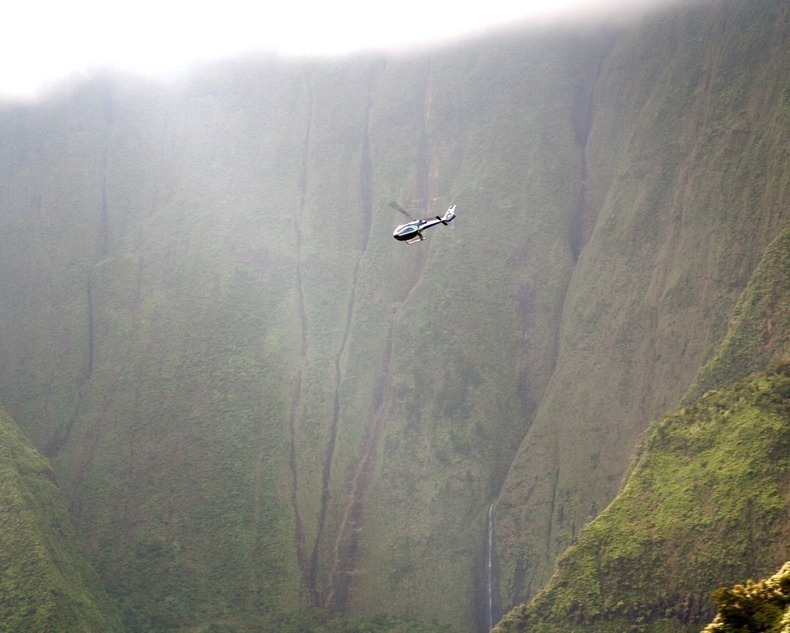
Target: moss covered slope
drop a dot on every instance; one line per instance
(46, 584)
(705, 502)
(687, 179)
(755, 606)
(759, 331)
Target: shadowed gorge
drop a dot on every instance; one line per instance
(260, 407)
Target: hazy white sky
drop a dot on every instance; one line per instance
(45, 41)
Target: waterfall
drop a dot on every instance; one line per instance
(490, 566)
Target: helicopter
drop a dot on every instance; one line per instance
(411, 232)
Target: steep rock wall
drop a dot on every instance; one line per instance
(688, 175)
(47, 584)
(705, 500)
(254, 397)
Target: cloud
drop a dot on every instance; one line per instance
(50, 40)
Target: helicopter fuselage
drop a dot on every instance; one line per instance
(412, 231)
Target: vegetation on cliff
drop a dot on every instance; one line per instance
(687, 173)
(706, 494)
(706, 500)
(759, 331)
(762, 606)
(46, 583)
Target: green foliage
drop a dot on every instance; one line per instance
(762, 606)
(687, 181)
(759, 331)
(311, 620)
(46, 584)
(706, 500)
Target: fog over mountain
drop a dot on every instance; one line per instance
(167, 41)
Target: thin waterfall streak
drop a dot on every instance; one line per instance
(490, 566)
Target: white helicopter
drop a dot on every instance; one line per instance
(411, 232)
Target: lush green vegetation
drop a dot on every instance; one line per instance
(705, 493)
(46, 583)
(762, 606)
(706, 500)
(318, 621)
(687, 173)
(759, 331)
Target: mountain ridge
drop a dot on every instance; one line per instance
(708, 484)
(640, 306)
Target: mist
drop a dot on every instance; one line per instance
(167, 41)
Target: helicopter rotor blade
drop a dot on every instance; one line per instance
(397, 207)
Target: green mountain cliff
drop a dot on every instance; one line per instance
(46, 584)
(706, 497)
(257, 402)
(652, 292)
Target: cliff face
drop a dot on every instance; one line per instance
(706, 497)
(47, 584)
(236, 368)
(686, 162)
(256, 400)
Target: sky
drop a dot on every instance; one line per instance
(47, 42)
